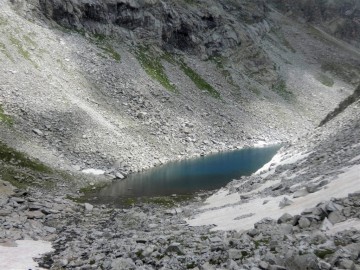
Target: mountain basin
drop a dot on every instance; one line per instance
(186, 177)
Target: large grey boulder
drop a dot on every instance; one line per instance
(123, 264)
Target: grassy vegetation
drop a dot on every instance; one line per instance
(344, 71)
(280, 36)
(325, 80)
(5, 118)
(4, 51)
(21, 50)
(30, 41)
(281, 89)
(198, 80)
(22, 171)
(153, 67)
(322, 253)
(109, 50)
(10, 155)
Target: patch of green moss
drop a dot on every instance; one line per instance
(191, 265)
(21, 50)
(5, 118)
(153, 67)
(5, 51)
(282, 39)
(10, 155)
(325, 80)
(198, 80)
(322, 253)
(108, 49)
(344, 71)
(262, 242)
(30, 41)
(3, 21)
(280, 88)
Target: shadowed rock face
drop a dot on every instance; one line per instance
(340, 18)
(198, 27)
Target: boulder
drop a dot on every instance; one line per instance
(123, 264)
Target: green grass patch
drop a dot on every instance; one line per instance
(22, 172)
(344, 71)
(198, 80)
(3, 21)
(325, 80)
(322, 253)
(109, 50)
(282, 39)
(5, 52)
(16, 158)
(21, 50)
(153, 67)
(281, 89)
(30, 41)
(5, 118)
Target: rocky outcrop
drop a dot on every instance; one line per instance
(197, 27)
(339, 18)
(342, 106)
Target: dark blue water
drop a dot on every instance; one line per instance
(189, 176)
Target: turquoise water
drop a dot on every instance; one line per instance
(188, 176)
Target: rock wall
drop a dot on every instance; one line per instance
(339, 18)
(191, 26)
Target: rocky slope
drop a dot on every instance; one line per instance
(121, 96)
(339, 18)
(124, 85)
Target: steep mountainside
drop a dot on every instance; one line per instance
(117, 86)
(339, 18)
(126, 85)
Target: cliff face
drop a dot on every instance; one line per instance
(339, 18)
(191, 26)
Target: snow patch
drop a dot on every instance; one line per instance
(346, 225)
(224, 218)
(21, 256)
(93, 171)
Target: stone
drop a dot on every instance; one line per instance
(34, 214)
(300, 193)
(4, 212)
(88, 207)
(207, 266)
(17, 199)
(331, 207)
(326, 225)
(285, 218)
(276, 267)
(234, 254)
(263, 265)
(119, 175)
(232, 265)
(38, 132)
(304, 222)
(346, 264)
(312, 188)
(324, 265)
(336, 217)
(277, 187)
(123, 264)
(285, 202)
(174, 247)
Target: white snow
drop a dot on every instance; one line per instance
(93, 171)
(21, 256)
(280, 159)
(346, 225)
(355, 159)
(223, 218)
